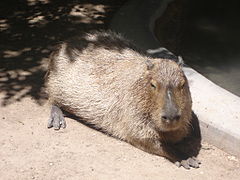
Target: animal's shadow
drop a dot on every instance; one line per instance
(82, 121)
(188, 147)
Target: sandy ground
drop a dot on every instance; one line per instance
(28, 150)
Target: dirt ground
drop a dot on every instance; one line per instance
(28, 150)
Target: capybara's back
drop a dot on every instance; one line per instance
(104, 80)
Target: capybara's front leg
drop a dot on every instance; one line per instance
(56, 119)
(165, 150)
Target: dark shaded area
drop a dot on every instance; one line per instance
(206, 34)
(191, 145)
(106, 39)
(211, 39)
(169, 26)
(30, 30)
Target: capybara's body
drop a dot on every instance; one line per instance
(102, 79)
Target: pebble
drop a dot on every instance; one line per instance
(232, 158)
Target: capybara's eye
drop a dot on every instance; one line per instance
(153, 84)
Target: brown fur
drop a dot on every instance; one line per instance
(103, 79)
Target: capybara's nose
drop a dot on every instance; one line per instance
(170, 110)
(168, 117)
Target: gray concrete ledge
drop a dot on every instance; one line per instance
(217, 109)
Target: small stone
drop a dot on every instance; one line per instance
(177, 164)
(232, 158)
(51, 163)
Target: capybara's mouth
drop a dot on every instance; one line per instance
(170, 125)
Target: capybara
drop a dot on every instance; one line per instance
(107, 82)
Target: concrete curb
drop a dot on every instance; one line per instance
(217, 109)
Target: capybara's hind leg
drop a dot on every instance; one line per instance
(56, 119)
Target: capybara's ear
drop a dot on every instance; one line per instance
(180, 61)
(149, 64)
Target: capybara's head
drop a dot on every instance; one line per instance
(168, 94)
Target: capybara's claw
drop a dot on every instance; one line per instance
(56, 119)
(188, 163)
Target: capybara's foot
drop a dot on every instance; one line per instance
(188, 163)
(56, 119)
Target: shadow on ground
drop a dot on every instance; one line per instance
(29, 31)
(190, 146)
